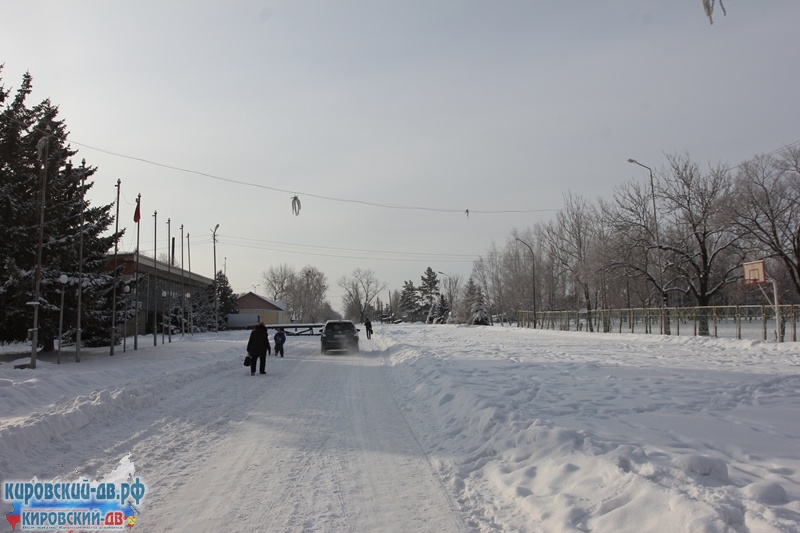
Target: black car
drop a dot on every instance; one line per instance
(339, 335)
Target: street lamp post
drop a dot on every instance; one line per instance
(63, 280)
(664, 323)
(216, 282)
(533, 279)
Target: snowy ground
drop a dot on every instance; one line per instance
(429, 428)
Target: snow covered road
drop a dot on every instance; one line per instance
(317, 444)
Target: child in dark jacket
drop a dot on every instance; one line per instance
(280, 339)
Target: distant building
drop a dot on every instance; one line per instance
(254, 309)
(157, 278)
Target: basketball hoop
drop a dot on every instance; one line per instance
(754, 272)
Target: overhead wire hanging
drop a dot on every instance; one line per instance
(295, 197)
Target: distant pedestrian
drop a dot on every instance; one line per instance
(368, 327)
(280, 338)
(258, 347)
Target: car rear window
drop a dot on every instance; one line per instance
(340, 326)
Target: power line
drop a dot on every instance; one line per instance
(320, 251)
(312, 195)
(350, 200)
(775, 151)
(344, 249)
(429, 258)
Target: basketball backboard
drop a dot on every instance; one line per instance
(754, 272)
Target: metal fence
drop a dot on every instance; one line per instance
(754, 322)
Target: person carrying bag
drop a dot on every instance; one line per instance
(257, 348)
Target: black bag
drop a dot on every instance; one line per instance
(247, 360)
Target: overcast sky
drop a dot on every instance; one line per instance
(364, 109)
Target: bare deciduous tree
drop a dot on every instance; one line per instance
(702, 253)
(451, 288)
(631, 252)
(303, 292)
(360, 288)
(569, 240)
(278, 281)
(307, 294)
(768, 209)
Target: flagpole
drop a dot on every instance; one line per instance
(80, 265)
(191, 301)
(114, 290)
(137, 216)
(183, 290)
(155, 278)
(170, 253)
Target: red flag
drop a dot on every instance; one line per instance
(137, 214)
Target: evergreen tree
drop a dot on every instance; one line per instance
(203, 309)
(227, 298)
(225, 302)
(409, 300)
(442, 310)
(479, 313)
(35, 162)
(472, 309)
(428, 289)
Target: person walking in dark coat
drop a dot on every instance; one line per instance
(279, 338)
(258, 347)
(368, 327)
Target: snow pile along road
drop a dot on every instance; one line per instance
(550, 431)
(429, 428)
